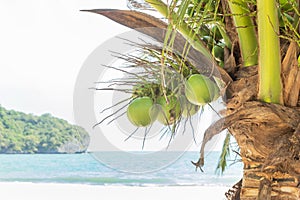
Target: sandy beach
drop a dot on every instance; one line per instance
(51, 191)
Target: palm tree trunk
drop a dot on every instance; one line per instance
(269, 138)
(264, 185)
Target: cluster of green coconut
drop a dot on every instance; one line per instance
(150, 103)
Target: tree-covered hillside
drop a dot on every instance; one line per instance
(27, 133)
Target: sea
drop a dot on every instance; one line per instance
(87, 168)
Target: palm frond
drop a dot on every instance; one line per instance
(225, 153)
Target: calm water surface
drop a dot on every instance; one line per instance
(85, 169)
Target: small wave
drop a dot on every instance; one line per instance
(95, 181)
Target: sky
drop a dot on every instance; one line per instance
(43, 45)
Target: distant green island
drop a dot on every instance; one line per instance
(28, 133)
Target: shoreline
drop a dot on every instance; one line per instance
(51, 191)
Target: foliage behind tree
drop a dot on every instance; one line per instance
(27, 133)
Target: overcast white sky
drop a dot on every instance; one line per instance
(43, 44)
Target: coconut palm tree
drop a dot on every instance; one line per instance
(254, 46)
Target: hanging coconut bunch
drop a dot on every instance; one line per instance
(163, 88)
(153, 102)
(150, 103)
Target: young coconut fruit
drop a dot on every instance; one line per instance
(187, 109)
(200, 90)
(146, 90)
(216, 92)
(218, 51)
(169, 110)
(140, 112)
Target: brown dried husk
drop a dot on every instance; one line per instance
(268, 134)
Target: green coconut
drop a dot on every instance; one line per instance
(187, 109)
(140, 112)
(200, 90)
(169, 109)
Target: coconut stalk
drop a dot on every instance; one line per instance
(246, 32)
(270, 87)
(187, 32)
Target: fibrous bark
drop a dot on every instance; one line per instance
(269, 139)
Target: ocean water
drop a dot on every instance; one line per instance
(85, 169)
